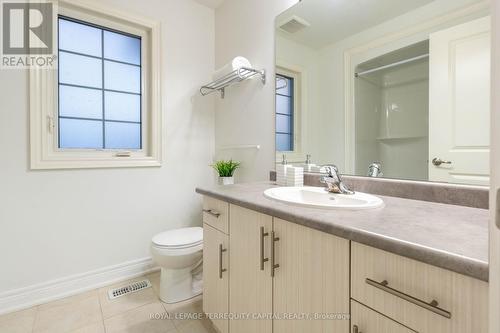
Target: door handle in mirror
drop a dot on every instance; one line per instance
(437, 161)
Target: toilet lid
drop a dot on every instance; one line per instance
(179, 238)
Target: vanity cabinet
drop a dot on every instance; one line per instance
(275, 276)
(423, 297)
(216, 275)
(365, 320)
(312, 279)
(216, 214)
(277, 269)
(251, 285)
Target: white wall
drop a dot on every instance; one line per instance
(246, 115)
(54, 224)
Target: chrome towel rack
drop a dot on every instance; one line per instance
(283, 85)
(229, 79)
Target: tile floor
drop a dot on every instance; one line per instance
(93, 312)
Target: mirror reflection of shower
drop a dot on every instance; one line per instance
(392, 113)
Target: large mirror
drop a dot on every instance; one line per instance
(385, 88)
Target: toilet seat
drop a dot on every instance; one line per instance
(179, 239)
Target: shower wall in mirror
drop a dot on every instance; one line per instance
(385, 88)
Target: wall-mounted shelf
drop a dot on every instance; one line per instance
(394, 138)
(227, 80)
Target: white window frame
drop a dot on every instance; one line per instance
(45, 153)
(296, 155)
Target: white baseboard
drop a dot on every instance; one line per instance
(26, 297)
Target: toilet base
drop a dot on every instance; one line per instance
(176, 285)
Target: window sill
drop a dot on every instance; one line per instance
(116, 162)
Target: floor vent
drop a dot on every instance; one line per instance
(131, 288)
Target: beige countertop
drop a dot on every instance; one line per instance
(447, 236)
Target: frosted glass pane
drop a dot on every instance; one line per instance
(80, 102)
(122, 48)
(79, 38)
(125, 107)
(284, 86)
(122, 77)
(283, 105)
(80, 70)
(283, 123)
(123, 135)
(284, 142)
(76, 133)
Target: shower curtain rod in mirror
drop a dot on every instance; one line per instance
(392, 65)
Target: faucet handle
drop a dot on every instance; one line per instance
(331, 170)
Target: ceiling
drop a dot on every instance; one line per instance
(334, 20)
(211, 3)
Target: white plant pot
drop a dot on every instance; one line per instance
(226, 180)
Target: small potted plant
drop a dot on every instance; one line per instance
(226, 169)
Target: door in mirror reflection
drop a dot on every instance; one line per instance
(460, 110)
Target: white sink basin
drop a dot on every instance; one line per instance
(317, 197)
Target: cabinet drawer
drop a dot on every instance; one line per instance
(216, 214)
(365, 320)
(421, 296)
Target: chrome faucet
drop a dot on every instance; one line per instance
(375, 170)
(333, 181)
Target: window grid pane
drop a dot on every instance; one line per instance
(128, 135)
(88, 41)
(284, 113)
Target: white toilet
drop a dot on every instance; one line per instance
(179, 254)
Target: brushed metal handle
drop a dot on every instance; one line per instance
(212, 212)
(498, 209)
(431, 306)
(221, 270)
(274, 239)
(437, 161)
(262, 259)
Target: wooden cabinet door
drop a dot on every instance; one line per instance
(216, 276)
(365, 320)
(250, 287)
(312, 280)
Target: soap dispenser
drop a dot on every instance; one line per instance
(281, 172)
(308, 165)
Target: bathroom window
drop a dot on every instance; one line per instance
(106, 106)
(285, 110)
(99, 87)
